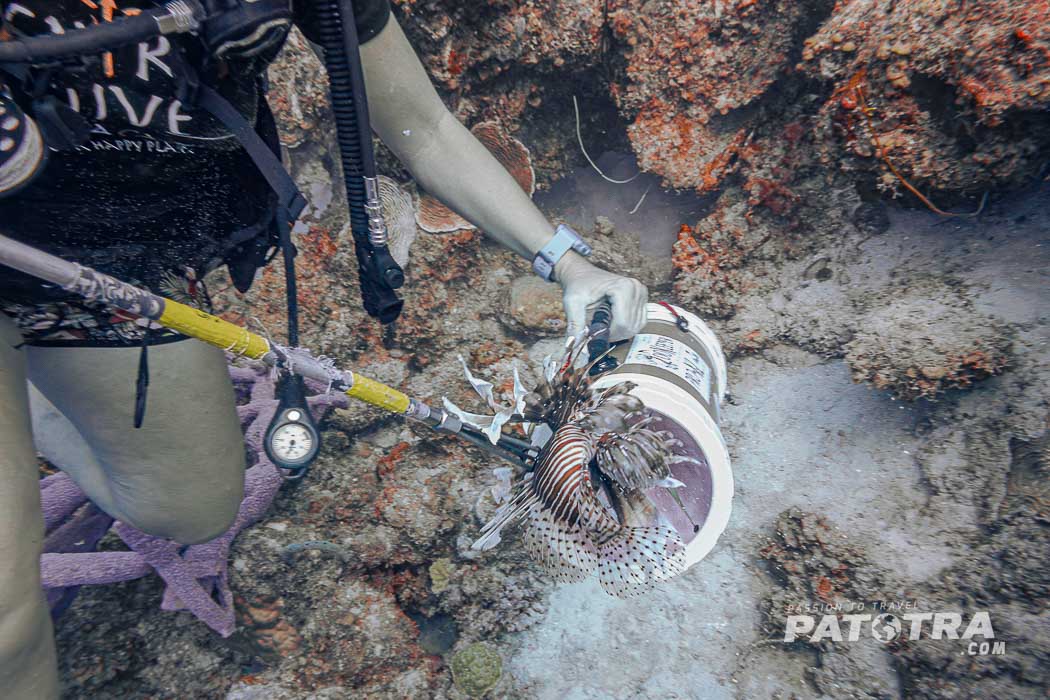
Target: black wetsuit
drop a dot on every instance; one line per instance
(155, 192)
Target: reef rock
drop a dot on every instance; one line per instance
(298, 93)
(951, 96)
(944, 97)
(998, 576)
(535, 306)
(921, 344)
(690, 70)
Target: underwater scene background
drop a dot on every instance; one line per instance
(799, 174)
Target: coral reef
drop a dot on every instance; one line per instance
(922, 342)
(940, 97)
(476, 669)
(691, 70)
(954, 91)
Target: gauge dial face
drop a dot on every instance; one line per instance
(292, 442)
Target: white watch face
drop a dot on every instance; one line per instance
(292, 442)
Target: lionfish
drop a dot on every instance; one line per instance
(578, 503)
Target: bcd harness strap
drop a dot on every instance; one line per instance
(290, 204)
(289, 198)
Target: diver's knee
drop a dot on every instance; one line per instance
(199, 509)
(206, 528)
(183, 525)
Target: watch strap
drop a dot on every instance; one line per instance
(563, 240)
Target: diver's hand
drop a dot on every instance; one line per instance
(585, 285)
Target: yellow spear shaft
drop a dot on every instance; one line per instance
(97, 286)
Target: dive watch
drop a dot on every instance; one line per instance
(563, 240)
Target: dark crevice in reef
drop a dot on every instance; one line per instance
(939, 99)
(437, 633)
(1029, 463)
(816, 14)
(601, 125)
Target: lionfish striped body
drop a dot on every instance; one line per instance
(568, 530)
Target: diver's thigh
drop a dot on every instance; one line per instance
(181, 475)
(62, 445)
(27, 655)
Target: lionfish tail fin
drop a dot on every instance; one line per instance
(638, 558)
(508, 513)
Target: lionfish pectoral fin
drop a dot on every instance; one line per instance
(487, 542)
(638, 558)
(483, 388)
(565, 552)
(638, 459)
(521, 504)
(520, 392)
(478, 421)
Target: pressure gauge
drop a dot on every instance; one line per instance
(292, 440)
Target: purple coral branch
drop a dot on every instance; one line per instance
(196, 577)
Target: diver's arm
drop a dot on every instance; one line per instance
(455, 167)
(443, 156)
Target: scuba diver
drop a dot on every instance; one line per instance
(107, 161)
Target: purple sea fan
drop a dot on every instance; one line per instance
(579, 505)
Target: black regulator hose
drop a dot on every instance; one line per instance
(173, 17)
(379, 274)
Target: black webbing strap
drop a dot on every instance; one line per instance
(142, 381)
(290, 201)
(269, 164)
(284, 229)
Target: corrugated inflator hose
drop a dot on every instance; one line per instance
(379, 274)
